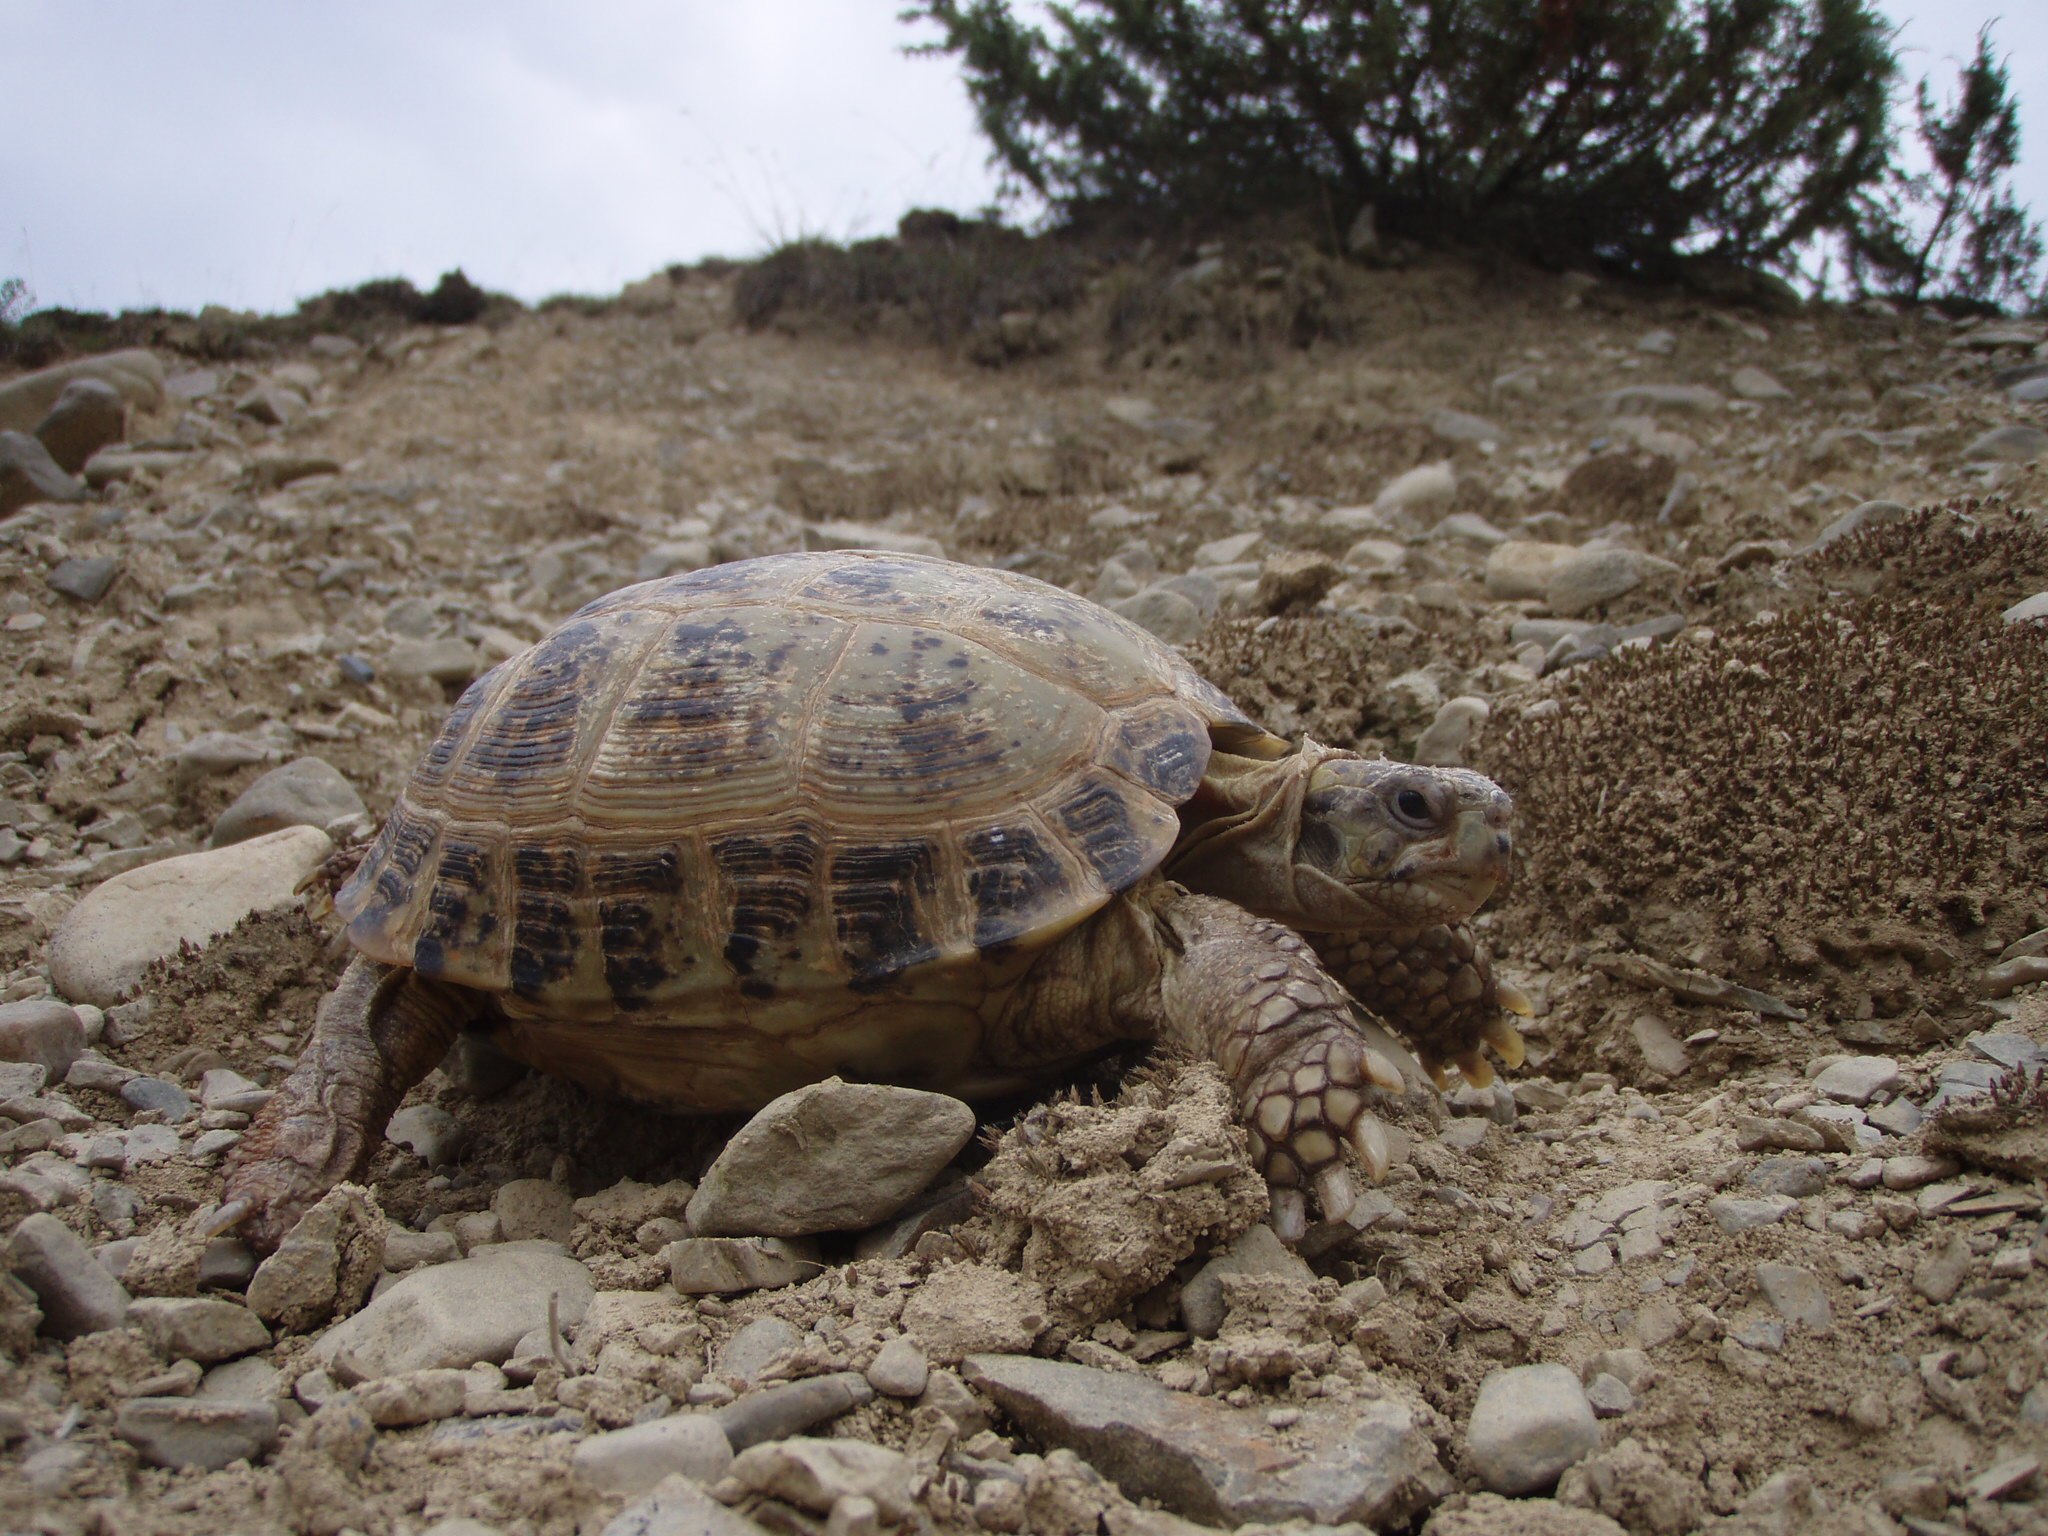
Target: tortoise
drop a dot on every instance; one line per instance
(896, 819)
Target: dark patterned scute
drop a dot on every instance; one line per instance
(753, 790)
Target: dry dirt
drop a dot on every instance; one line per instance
(1830, 787)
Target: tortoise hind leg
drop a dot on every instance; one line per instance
(380, 1031)
(1307, 1074)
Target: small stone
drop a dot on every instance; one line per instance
(1913, 1170)
(86, 417)
(830, 1157)
(448, 660)
(1530, 1423)
(1859, 1079)
(154, 1095)
(628, 1462)
(1168, 615)
(534, 1208)
(709, 1266)
(1736, 1213)
(2003, 1478)
(44, 1032)
(405, 1250)
(1796, 1295)
(1256, 1252)
(326, 1264)
(77, 1294)
(1752, 383)
(1794, 1177)
(1462, 427)
(790, 1408)
(413, 1397)
(2007, 445)
(208, 1433)
(750, 1351)
(1598, 574)
(306, 792)
(816, 1474)
(102, 946)
(1939, 1276)
(1427, 485)
(899, 1369)
(86, 579)
(428, 1132)
(1610, 1397)
(198, 1327)
(678, 1507)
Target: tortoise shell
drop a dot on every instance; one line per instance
(721, 795)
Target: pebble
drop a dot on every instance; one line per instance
(1912, 1170)
(198, 1327)
(2008, 445)
(534, 1208)
(1523, 568)
(1168, 615)
(626, 1463)
(42, 1032)
(1463, 427)
(325, 1265)
(2027, 609)
(899, 1369)
(306, 792)
(1427, 485)
(1796, 1295)
(457, 1314)
(442, 661)
(101, 947)
(678, 1507)
(1530, 1423)
(711, 1266)
(1598, 574)
(829, 1157)
(86, 579)
(428, 1132)
(1367, 1461)
(203, 1432)
(77, 1294)
(1859, 1079)
(750, 1351)
(413, 1397)
(789, 1408)
(1258, 1251)
(1610, 1397)
(817, 1474)
(156, 1096)
(1737, 1213)
(1793, 1177)
(1940, 1275)
(1752, 383)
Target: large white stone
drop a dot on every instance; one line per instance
(457, 1314)
(104, 944)
(1530, 1423)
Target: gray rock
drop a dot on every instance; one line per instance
(1793, 1177)
(1859, 1079)
(2027, 609)
(78, 1295)
(1609, 1396)
(405, 1250)
(777, 1412)
(816, 1475)
(1736, 1213)
(1796, 1295)
(1645, 399)
(157, 1096)
(326, 1264)
(1167, 614)
(102, 946)
(305, 792)
(1523, 568)
(203, 1432)
(629, 1462)
(1595, 575)
(86, 579)
(28, 474)
(534, 1208)
(248, 1379)
(273, 405)
(2007, 445)
(900, 1369)
(829, 1157)
(748, 1352)
(1939, 1276)
(44, 1032)
(1752, 383)
(85, 418)
(1427, 485)
(1461, 427)
(678, 1507)
(1258, 1251)
(713, 1266)
(413, 1397)
(2028, 391)
(1368, 1462)
(134, 371)
(1471, 527)
(428, 1132)
(457, 1314)
(442, 661)
(198, 1327)
(1530, 1423)
(1868, 514)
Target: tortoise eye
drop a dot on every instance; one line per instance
(1412, 805)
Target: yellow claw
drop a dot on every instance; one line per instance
(1441, 1076)
(1383, 1073)
(1369, 1140)
(1513, 998)
(1506, 1041)
(1477, 1069)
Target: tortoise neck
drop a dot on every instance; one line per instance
(1238, 832)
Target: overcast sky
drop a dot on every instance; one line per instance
(252, 154)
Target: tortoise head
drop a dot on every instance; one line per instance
(1385, 845)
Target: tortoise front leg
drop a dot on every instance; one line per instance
(1306, 1071)
(1437, 987)
(380, 1031)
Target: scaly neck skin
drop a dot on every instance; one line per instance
(1239, 832)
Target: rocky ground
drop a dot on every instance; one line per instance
(1753, 1242)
